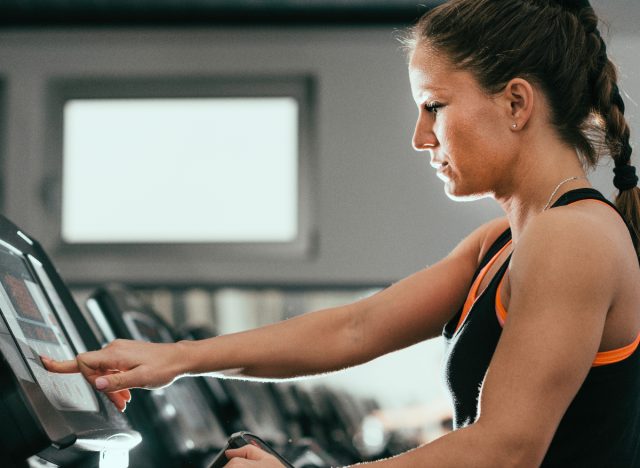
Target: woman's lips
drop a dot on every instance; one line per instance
(441, 169)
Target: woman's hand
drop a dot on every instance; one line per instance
(251, 456)
(124, 364)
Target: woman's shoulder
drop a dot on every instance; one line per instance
(588, 232)
(590, 221)
(489, 234)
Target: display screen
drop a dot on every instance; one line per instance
(32, 323)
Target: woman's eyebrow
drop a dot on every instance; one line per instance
(433, 88)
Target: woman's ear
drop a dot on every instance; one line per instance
(519, 96)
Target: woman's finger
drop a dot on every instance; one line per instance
(252, 453)
(126, 395)
(118, 400)
(121, 365)
(63, 367)
(114, 382)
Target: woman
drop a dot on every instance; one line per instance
(540, 309)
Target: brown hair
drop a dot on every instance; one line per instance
(557, 46)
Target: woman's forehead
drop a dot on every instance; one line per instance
(432, 71)
(426, 57)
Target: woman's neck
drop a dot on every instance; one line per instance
(544, 175)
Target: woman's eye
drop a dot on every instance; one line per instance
(433, 107)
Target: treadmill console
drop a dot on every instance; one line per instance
(57, 416)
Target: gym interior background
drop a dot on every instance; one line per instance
(368, 210)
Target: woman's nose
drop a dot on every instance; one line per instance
(423, 137)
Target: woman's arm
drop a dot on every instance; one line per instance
(407, 312)
(412, 310)
(561, 290)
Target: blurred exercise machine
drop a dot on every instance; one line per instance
(179, 425)
(241, 405)
(316, 426)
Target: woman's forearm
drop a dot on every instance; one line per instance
(474, 445)
(313, 343)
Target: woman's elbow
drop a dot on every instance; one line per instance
(517, 449)
(522, 452)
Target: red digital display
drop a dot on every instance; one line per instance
(37, 332)
(22, 299)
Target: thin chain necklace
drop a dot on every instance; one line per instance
(558, 187)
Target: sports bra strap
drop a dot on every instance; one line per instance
(592, 194)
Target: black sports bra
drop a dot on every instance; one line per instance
(601, 427)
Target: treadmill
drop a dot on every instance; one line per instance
(178, 424)
(46, 418)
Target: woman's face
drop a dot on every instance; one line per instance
(465, 131)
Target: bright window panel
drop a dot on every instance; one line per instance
(180, 170)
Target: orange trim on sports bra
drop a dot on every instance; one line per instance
(473, 292)
(616, 355)
(602, 359)
(501, 312)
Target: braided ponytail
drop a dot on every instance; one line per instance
(609, 106)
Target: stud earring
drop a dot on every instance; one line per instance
(514, 125)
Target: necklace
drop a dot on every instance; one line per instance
(558, 187)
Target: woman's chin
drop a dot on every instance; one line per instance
(459, 195)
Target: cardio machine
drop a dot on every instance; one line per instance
(46, 418)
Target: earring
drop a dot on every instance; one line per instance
(514, 125)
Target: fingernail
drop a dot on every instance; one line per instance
(101, 383)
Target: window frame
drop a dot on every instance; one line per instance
(61, 90)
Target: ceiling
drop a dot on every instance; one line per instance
(17, 13)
